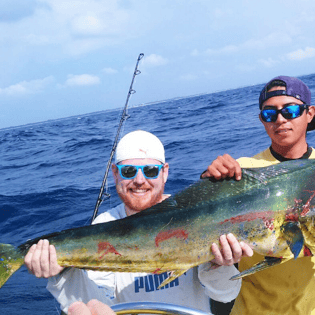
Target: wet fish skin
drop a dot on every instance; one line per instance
(271, 209)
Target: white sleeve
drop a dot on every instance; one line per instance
(81, 285)
(217, 283)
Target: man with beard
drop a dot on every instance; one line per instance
(140, 174)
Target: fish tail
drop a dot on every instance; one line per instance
(11, 260)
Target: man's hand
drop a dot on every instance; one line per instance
(222, 167)
(94, 307)
(231, 251)
(41, 260)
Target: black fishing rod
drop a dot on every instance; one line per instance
(124, 116)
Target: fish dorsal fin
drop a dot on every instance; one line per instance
(209, 189)
(262, 175)
(265, 173)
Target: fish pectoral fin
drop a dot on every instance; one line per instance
(267, 263)
(294, 237)
(172, 276)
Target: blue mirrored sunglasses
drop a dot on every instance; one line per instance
(148, 171)
(270, 114)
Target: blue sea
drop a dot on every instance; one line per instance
(51, 172)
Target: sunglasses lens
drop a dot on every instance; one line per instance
(151, 171)
(292, 111)
(128, 171)
(269, 115)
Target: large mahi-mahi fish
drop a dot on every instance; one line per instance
(271, 209)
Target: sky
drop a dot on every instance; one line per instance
(61, 58)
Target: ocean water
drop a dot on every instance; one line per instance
(51, 172)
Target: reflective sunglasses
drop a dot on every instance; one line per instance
(270, 114)
(148, 171)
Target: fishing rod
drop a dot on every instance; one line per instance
(124, 116)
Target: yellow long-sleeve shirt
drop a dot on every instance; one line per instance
(286, 289)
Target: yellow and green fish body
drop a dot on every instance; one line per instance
(271, 209)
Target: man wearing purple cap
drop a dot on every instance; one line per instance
(287, 114)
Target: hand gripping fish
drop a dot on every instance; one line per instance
(271, 209)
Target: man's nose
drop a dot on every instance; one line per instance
(280, 118)
(139, 179)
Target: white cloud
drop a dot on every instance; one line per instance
(109, 70)
(300, 54)
(92, 18)
(218, 13)
(87, 25)
(82, 46)
(188, 77)
(154, 60)
(68, 27)
(271, 40)
(270, 62)
(15, 10)
(245, 67)
(27, 87)
(230, 49)
(82, 79)
(33, 39)
(195, 53)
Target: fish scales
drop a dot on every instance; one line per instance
(271, 209)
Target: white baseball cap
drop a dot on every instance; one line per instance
(140, 144)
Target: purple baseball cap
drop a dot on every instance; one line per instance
(293, 87)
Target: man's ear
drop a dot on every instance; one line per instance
(310, 113)
(165, 172)
(115, 172)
